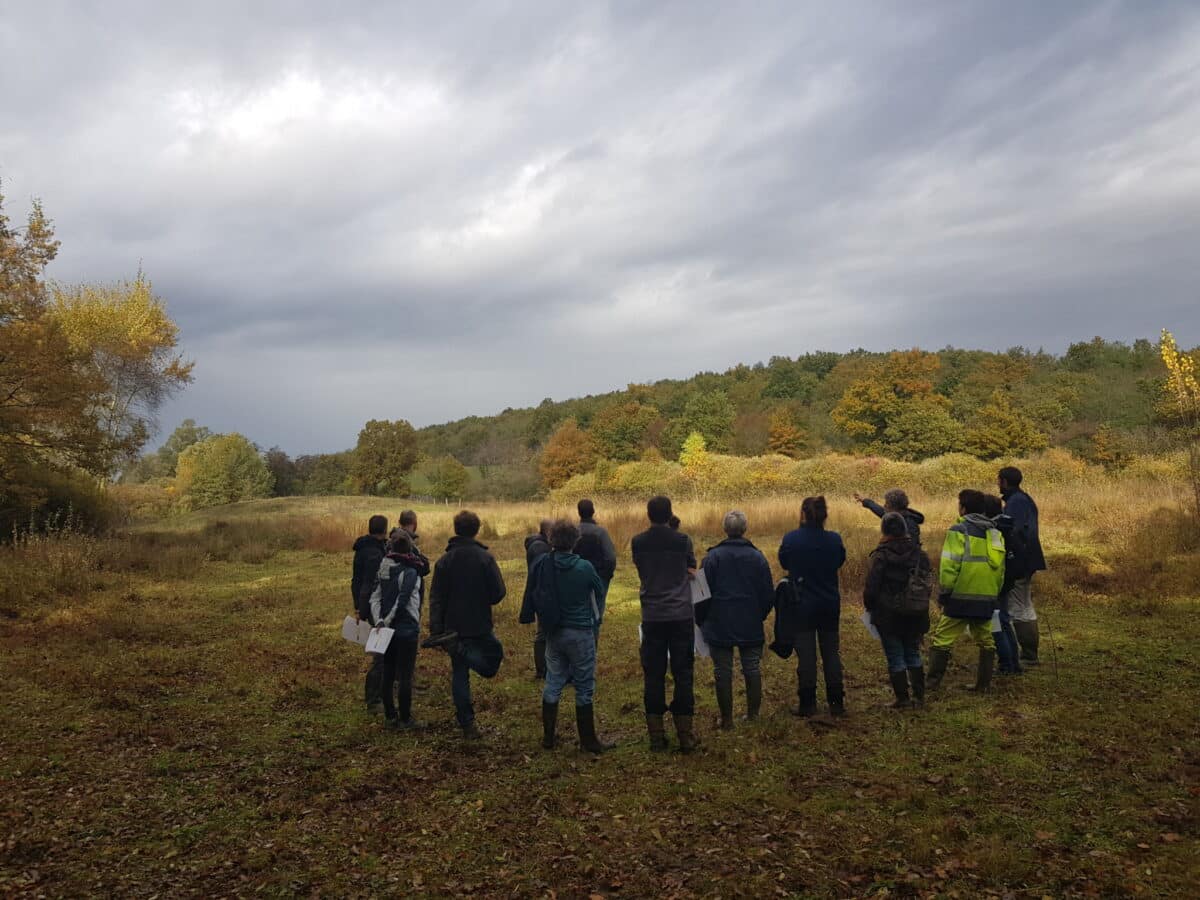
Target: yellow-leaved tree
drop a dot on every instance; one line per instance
(569, 451)
(1181, 403)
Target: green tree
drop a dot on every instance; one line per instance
(285, 478)
(325, 474)
(711, 414)
(386, 452)
(921, 429)
(161, 463)
(224, 468)
(620, 430)
(1000, 429)
(569, 451)
(448, 478)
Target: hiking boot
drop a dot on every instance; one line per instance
(916, 677)
(753, 695)
(837, 708)
(938, 660)
(808, 704)
(900, 688)
(687, 737)
(983, 676)
(395, 723)
(549, 725)
(585, 721)
(444, 641)
(658, 733)
(471, 732)
(1027, 637)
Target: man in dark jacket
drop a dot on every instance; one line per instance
(408, 524)
(1027, 558)
(896, 501)
(739, 580)
(466, 585)
(369, 551)
(537, 546)
(665, 564)
(595, 544)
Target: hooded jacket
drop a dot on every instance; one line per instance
(913, 520)
(1025, 544)
(466, 585)
(368, 554)
(972, 568)
(887, 575)
(663, 557)
(577, 591)
(739, 579)
(399, 595)
(812, 557)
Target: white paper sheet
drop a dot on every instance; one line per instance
(701, 644)
(379, 640)
(996, 627)
(700, 591)
(355, 631)
(871, 629)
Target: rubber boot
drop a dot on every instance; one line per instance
(983, 676)
(1027, 637)
(753, 695)
(900, 687)
(725, 705)
(808, 704)
(916, 677)
(585, 720)
(549, 724)
(687, 737)
(658, 733)
(938, 660)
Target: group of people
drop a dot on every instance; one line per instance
(982, 585)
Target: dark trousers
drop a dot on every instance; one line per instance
(539, 652)
(670, 643)
(373, 687)
(807, 642)
(398, 664)
(481, 655)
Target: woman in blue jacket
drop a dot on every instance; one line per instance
(739, 579)
(812, 557)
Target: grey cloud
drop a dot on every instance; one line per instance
(505, 202)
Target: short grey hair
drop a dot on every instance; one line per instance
(895, 499)
(735, 523)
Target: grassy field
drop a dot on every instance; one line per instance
(181, 717)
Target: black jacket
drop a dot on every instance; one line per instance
(535, 546)
(912, 519)
(1025, 554)
(739, 578)
(466, 585)
(663, 557)
(887, 575)
(368, 554)
(596, 546)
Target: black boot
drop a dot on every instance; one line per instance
(753, 695)
(688, 741)
(549, 724)
(1027, 637)
(900, 687)
(658, 733)
(938, 660)
(808, 704)
(916, 678)
(585, 720)
(983, 676)
(725, 705)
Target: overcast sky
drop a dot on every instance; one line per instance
(424, 211)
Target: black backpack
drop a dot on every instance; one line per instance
(913, 597)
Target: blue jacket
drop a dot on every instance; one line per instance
(1025, 545)
(812, 557)
(739, 578)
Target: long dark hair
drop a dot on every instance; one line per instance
(813, 512)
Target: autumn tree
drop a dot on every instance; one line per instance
(161, 463)
(448, 478)
(998, 429)
(123, 336)
(620, 429)
(225, 468)
(1181, 406)
(569, 451)
(784, 436)
(386, 452)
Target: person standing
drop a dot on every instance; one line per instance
(466, 585)
(592, 533)
(665, 564)
(368, 554)
(562, 594)
(1007, 648)
(408, 524)
(536, 546)
(893, 566)
(396, 603)
(970, 577)
(896, 501)
(739, 580)
(1027, 560)
(812, 557)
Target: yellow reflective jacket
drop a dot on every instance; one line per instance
(972, 569)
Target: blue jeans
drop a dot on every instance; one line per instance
(482, 655)
(901, 652)
(570, 656)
